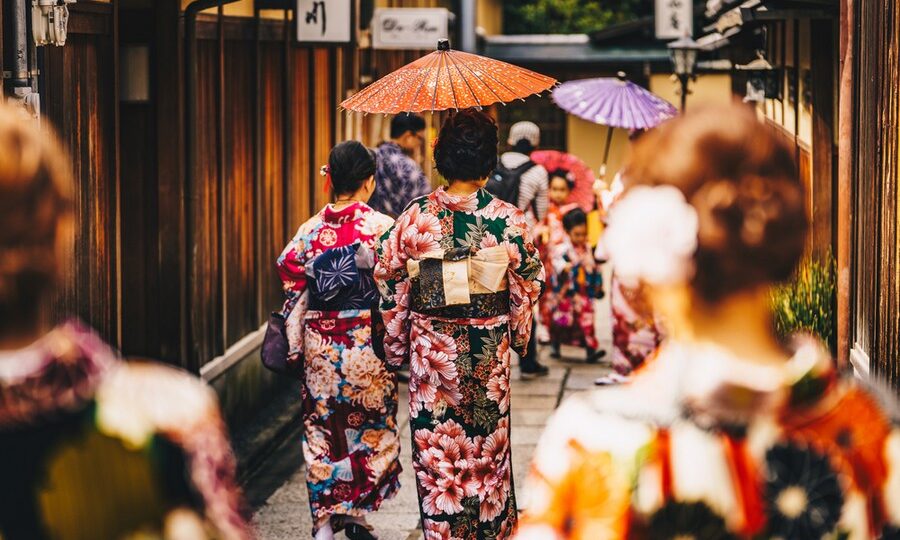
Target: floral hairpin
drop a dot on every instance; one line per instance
(325, 171)
(652, 236)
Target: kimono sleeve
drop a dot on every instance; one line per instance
(291, 265)
(574, 489)
(393, 284)
(526, 282)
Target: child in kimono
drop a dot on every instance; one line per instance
(548, 235)
(576, 282)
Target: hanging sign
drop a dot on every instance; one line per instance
(674, 19)
(324, 21)
(409, 28)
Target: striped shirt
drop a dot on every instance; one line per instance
(532, 187)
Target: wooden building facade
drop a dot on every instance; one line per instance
(833, 93)
(870, 155)
(196, 131)
(185, 196)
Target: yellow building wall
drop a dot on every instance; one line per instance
(489, 16)
(241, 8)
(707, 89)
(785, 112)
(409, 3)
(789, 121)
(588, 141)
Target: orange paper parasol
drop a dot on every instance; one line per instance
(448, 79)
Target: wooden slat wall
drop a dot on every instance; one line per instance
(875, 257)
(204, 208)
(275, 224)
(80, 101)
(239, 241)
(246, 206)
(260, 143)
(302, 178)
(324, 110)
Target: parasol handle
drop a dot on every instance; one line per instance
(443, 45)
(609, 135)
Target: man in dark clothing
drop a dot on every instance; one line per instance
(398, 178)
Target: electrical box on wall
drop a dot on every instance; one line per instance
(49, 21)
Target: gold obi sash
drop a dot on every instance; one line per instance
(460, 283)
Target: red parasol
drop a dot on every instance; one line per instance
(448, 79)
(582, 193)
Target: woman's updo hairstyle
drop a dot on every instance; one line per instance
(466, 147)
(350, 164)
(35, 196)
(741, 178)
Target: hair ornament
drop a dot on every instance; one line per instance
(325, 171)
(652, 236)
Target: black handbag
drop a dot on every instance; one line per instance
(275, 347)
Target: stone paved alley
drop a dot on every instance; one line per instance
(278, 490)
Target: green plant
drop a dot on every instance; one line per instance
(568, 16)
(806, 303)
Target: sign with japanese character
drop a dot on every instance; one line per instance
(409, 28)
(324, 21)
(674, 19)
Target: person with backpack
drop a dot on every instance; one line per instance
(520, 181)
(517, 179)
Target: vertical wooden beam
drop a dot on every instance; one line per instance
(287, 128)
(313, 168)
(116, 176)
(845, 179)
(260, 245)
(169, 82)
(822, 91)
(221, 190)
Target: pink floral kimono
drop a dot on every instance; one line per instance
(549, 235)
(350, 443)
(576, 282)
(458, 324)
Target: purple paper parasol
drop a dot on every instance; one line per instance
(614, 102)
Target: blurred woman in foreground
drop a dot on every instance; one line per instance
(726, 432)
(90, 447)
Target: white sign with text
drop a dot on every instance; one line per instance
(409, 28)
(324, 21)
(674, 19)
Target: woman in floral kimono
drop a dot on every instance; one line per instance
(350, 442)
(728, 432)
(90, 446)
(460, 277)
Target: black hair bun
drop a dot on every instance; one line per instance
(466, 148)
(350, 164)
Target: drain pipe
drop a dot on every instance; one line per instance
(15, 49)
(467, 25)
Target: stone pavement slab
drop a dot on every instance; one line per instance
(279, 491)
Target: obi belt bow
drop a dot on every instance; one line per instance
(456, 276)
(342, 276)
